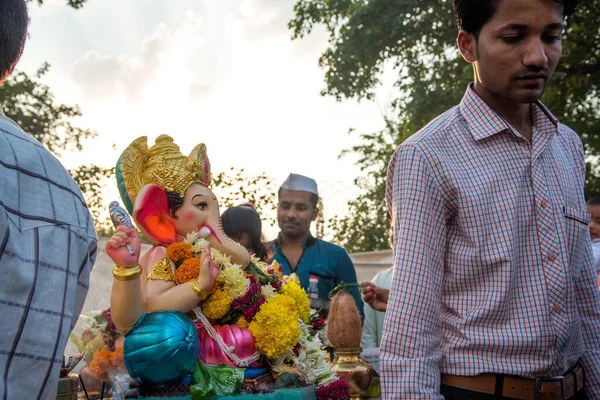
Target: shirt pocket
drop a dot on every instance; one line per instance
(576, 237)
(325, 284)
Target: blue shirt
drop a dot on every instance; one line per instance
(329, 262)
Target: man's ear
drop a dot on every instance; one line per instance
(315, 213)
(467, 45)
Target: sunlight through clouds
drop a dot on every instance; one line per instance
(223, 73)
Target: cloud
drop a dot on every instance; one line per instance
(102, 75)
(199, 90)
(267, 17)
(177, 57)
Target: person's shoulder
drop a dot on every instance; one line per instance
(437, 128)
(570, 142)
(12, 133)
(384, 278)
(331, 247)
(20, 148)
(568, 133)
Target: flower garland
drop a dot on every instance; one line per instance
(275, 326)
(188, 270)
(300, 298)
(274, 308)
(104, 361)
(217, 305)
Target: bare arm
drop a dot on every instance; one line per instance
(167, 295)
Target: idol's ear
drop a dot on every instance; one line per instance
(151, 214)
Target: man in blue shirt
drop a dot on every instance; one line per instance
(297, 251)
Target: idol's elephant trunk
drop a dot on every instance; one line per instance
(220, 241)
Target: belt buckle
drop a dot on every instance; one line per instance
(537, 392)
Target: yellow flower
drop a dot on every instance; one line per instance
(242, 323)
(292, 278)
(275, 326)
(234, 280)
(300, 298)
(217, 305)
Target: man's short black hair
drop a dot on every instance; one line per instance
(13, 31)
(314, 199)
(472, 15)
(593, 201)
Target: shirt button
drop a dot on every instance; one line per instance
(558, 360)
(556, 308)
(551, 256)
(544, 203)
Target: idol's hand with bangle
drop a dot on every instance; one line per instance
(116, 247)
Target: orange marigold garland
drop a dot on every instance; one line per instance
(104, 361)
(100, 364)
(179, 252)
(190, 269)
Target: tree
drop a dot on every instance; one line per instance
(31, 104)
(235, 187)
(417, 39)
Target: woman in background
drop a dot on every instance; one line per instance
(242, 223)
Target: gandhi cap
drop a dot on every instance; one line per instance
(300, 183)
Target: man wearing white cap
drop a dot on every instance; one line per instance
(297, 251)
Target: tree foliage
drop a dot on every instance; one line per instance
(32, 105)
(417, 38)
(235, 186)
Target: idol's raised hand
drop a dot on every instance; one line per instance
(209, 269)
(117, 248)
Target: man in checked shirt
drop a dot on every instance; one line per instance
(494, 294)
(47, 245)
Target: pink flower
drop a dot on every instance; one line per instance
(336, 390)
(250, 303)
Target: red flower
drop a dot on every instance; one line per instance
(318, 323)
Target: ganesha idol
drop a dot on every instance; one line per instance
(196, 304)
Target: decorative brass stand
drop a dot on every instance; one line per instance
(357, 373)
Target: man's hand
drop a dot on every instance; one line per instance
(375, 296)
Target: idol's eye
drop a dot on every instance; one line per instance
(202, 205)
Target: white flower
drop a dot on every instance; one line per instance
(198, 246)
(220, 257)
(190, 238)
(233, 279)
(268, 291)
(311, 360)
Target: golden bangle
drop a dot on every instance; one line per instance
(197, 288)
(126, 274)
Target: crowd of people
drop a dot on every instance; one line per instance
(493, 293)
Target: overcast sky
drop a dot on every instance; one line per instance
(225, 73)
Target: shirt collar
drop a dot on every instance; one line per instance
(309, 241)
(484, 122)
